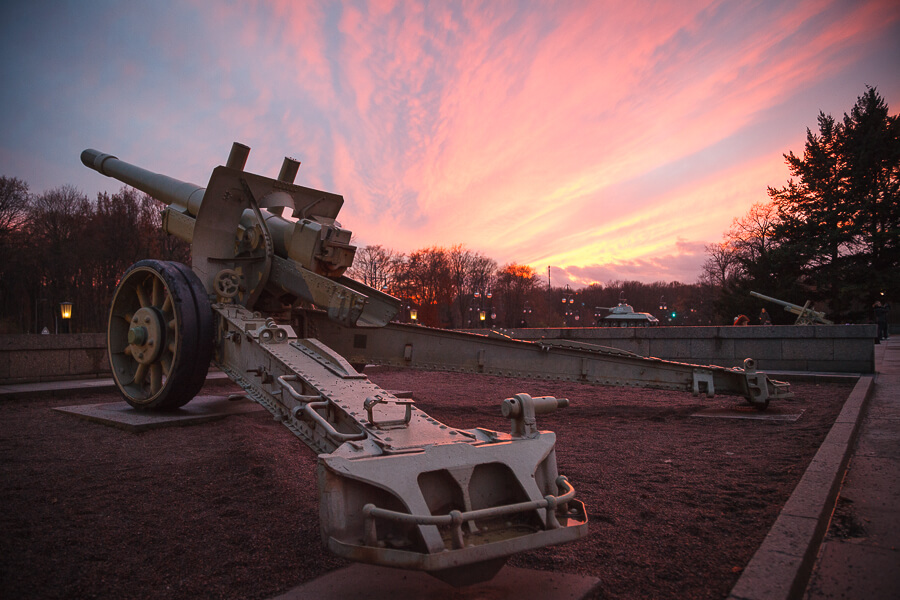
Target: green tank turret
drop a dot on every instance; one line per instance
(623, 315)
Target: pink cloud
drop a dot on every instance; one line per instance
(508, 130)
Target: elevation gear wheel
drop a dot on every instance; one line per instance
(227, 283)
(160, 335)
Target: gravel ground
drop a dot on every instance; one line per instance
(228, 509)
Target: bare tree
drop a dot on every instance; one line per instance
(471, 272)
(515, 284)
(374, 266)
(14, 202)
(753, 235)
(722, 266)
(13, 205)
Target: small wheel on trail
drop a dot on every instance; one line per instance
(160, 335)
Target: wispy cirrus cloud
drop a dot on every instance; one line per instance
(505, 128)
(599, 139)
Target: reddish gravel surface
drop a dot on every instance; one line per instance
(228, 509)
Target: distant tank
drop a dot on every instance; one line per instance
(623, 315)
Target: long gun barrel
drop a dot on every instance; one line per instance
(805, 315)
(168, 190)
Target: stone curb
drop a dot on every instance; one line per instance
(65, 387)
(782, 565)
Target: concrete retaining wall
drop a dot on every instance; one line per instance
(28, 358)
(820, 348)
(816, 348)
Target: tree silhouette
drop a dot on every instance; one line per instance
(832, 233)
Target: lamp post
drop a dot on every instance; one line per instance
(526, 314)
(485, 307)
(65, 311)
(568, 301)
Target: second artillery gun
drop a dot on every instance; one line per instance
(397, 487)
(805, 314)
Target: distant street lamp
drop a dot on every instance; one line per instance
(526, 312)
(413, 314)
(568, 301)
(65, 311)
(485, 303)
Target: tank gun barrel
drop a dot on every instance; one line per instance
(186, 197)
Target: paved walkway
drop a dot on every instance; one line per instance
(860, 558)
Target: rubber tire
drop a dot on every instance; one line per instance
(192, 334)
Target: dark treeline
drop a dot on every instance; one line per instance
(61, 246)
(831, 234)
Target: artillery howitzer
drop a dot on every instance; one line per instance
(805, 314)
(397, 487)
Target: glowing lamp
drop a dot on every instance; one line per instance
(481, 315)
(413, 314)
(65, 310)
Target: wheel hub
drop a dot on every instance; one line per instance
(146, 336)
(137, 336)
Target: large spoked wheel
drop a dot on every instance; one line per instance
(160, 335)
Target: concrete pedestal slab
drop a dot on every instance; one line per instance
(780, 412)
(368, 582)
(199, 410)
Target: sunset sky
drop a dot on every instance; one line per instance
(609, 140)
